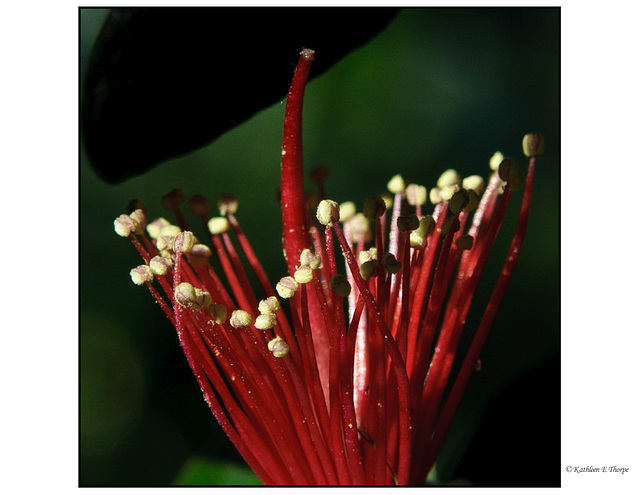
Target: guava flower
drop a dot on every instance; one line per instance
(335, 375)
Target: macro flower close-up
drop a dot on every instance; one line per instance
(342, 313)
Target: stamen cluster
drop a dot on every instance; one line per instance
(341, 373)
(348, 386)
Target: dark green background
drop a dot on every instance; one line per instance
(439, 88)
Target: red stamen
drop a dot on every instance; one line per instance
(295, 223)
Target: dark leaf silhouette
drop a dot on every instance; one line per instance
(161, 82)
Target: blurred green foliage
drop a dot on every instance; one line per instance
(198, 471)
(440, 88)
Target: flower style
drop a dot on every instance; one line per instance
(311, 392)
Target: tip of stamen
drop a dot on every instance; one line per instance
(266, 321)
(192, 297)
(227, 203)
(218, 225)
(184, 241)
(396, 185)
(458, 201)
(286, 287)
(495, 161)
(347, 211)
(340, 285)
(278, 347)
(533, 145)
(269, 305)
(160, 265)
(308, 258)
(474, 183)
(155, 227)
(328, 212)
(141, 274)
(408, 223)
(374, 207)
(218, 312)
(308, 53)
(360, 227)
(390, 263)
(448, 178)
(240, 318)
(124, 225)
(303, 275)
(510, 173)
(464, 241)
(369, 269)
(416, 195)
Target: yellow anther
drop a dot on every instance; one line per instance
(141, 274)
(388, 200)
(359, 227)
(153, 229)
(192, 297)
(218, 225)
(416, 195)
(124, 225)
(227, 203)
(328, 212)
(286, 287)
(448, 191)
(415, 240)
(184, 294)
(474, 183)
(202, 300)
(269, 305)
(240, 318)
(304, 274)
(396, 184)
(533, 145)
(434, 196)
(368, 255)
(347, 211)
(448, 178)
(496, 160)
(184, 241)
(165, 242)
(278, 347)
(160, 265)
(170, 230)
(140, 219)
(308, 258)
(266, 321)
(417, 237)
(218, 312)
